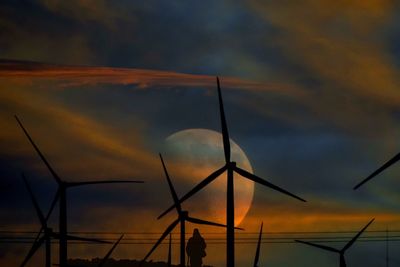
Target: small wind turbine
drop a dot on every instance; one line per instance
(341, 251)
(230, 167)
(256, 258)
(379, 170)
(183, 216)
(61, 195)
(48, 232)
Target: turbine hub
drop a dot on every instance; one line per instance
(185, 213)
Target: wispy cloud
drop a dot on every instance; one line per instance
(143, 78)
(340, 42)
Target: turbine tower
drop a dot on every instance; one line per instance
(256, 258)
(183, 216)
(341, 251)
(48, 232)
(61, 195)
(169, 251)
(230, 167)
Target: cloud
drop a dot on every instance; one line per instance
(81, 76)
(94, 148)
(339, 41)
(87, 11)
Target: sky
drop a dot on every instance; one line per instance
(310, 92)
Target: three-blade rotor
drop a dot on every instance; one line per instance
(341, 251)
(229, 165)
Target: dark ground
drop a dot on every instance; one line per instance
(117, 263)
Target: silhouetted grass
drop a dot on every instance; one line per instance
(117, 263)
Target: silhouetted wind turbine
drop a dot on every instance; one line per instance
(343, 250)
(48, 232)
(379, 170)
(256, 258)
(230, 167)
(183, 216)
(62, 196)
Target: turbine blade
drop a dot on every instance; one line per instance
(78, 238)
(103, 261)
(72, 184)
(55, 175)
(32, 251)
(204, 222)
(257, 256)
(38, 234)
(225, 133)
(259, 180)
(197, 188)
(49, 213)
(43, 221)
(348, 245)
(53, 204)
(171, 187)
(379, 170)
(318, 246)
(166, 232)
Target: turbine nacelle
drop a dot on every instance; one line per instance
(231, 165)
(184, 214)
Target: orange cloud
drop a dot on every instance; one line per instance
(340, 42)
(81, 76)
(93, 149)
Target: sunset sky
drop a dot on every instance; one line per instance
(312, 96)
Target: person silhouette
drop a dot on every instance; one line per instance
(196, 249)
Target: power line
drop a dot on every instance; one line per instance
(210, 242)
(206, 233)
(316, 239)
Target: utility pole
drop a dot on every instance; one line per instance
(387, 247)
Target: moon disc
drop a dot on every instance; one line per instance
(193, 154)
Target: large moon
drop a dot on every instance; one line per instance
(191, 156)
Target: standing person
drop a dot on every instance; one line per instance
(196, 249)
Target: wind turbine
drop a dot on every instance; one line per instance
(230, 167)
(183, 216)
(341, 251)
(379, 170)
(256, 258)
(61, 195)
(48, 232)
